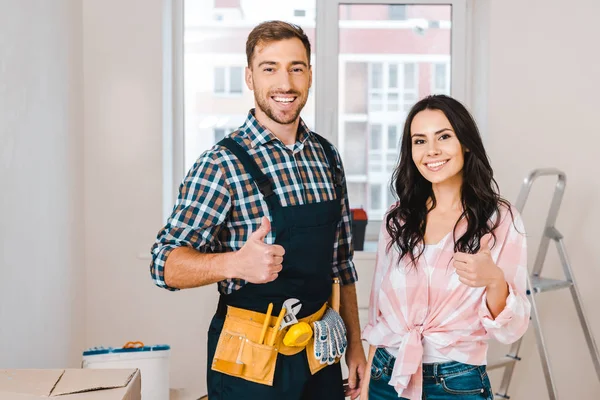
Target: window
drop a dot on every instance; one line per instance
(441, 78)
(375, 197)
(215, 102)
(220, 133)
(390, 92)
(389, 55)
(382, 158)
(398, 11)
(228, 80)
(407, 50)
(393, 141)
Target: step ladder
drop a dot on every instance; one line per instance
(537, 284)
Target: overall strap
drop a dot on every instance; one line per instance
(335, 171)
(262, 181)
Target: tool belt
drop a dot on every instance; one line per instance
(240, 354)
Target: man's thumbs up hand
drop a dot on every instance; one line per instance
(257, 261)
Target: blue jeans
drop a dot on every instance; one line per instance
(441, 381)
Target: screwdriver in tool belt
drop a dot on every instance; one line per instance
(276, 327)
(266, 323)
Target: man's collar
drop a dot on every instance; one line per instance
(259, 135)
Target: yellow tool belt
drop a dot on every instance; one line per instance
(239, 354)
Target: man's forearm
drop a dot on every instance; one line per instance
(349, 312)
(187, 268)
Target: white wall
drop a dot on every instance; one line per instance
(123, 170)
(41, 184)
(543, 107)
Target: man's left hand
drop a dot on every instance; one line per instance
(356, 362)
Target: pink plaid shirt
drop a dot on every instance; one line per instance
(405, 309)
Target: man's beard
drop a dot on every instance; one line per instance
(263, 104)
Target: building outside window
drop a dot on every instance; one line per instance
(389, 56)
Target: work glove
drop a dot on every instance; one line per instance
(330, 337)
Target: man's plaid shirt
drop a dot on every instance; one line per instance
(219, 204)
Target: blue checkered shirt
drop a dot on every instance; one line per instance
(219, 204)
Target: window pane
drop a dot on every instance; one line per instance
(375, 137)
(391, 198)
(392, 159)
(393, 80)
(398, 11)
(214, 57)
(401, 70)
(376, 102)
(409, 76)
(375, 197)
(392, 137)
(355, 87)
(219, 134)
(376, 76)
(355, 143)
(357, 194)
(219, 80)
(393, 102)
(375, 166)
(441, 79)
(235, 80)
(409, 100)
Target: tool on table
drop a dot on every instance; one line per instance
(276, 327)
(266, 323)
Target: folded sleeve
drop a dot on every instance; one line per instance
(201, 208)
(510, 253)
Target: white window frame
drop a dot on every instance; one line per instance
(466, 18)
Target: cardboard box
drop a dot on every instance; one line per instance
(70, 384)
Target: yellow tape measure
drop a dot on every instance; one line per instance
(298, 335)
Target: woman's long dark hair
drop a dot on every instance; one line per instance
(406, 221)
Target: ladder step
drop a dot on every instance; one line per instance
(502, 362)
(540, 284)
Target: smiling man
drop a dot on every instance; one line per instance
(265, 215)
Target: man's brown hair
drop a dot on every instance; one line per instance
(274, 31)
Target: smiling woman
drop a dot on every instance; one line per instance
(456, 249)
(442, 153)
(436, 151)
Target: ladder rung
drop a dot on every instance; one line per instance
(502, 362)
(545, 284)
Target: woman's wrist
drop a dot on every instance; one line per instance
(497, 282)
